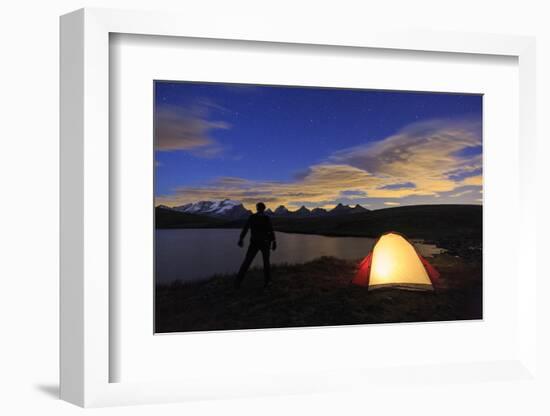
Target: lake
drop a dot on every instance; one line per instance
(195, 254)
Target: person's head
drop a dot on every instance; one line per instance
(260, 207)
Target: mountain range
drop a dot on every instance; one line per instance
(226, 208)
(456, 227)
(230, 209)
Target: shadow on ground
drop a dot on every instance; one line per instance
(51, 390)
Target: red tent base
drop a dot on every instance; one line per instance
(362, 276)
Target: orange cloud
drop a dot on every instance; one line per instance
(473, 180)
(424, 156)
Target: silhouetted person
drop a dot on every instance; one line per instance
(262, 238)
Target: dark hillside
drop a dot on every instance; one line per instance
(433, 222)
(418, 221)
(168, 218)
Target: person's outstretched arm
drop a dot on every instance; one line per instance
(244, 231)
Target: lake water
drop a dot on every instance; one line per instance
(195, 254)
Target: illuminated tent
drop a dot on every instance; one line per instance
(394, 261)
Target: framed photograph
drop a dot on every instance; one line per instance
(321, 199)
(342, 191)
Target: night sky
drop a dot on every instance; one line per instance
(315, 146)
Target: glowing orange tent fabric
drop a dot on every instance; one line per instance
(394, 261)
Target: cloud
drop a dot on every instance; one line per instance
(464, 173)
(187, 129)
(422, 161)
(353, 193)
(324, 183)
(427, 154)
(473, 180)
(392, 203)
(404, 185)
(459, 194)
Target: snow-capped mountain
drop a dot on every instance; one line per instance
(318, 212)
(223, 208)
(358, 209)
(301, 212)
(230, 209)
(339, 209)
(281, 211)
(346, 209)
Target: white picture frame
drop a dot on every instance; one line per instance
(85, 231)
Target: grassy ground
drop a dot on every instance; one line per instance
(315, 294)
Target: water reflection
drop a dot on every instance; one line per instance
(194, 254)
